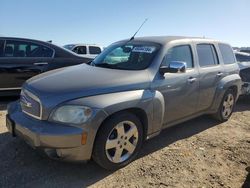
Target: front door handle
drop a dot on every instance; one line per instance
(41, 63)
(219, 74)
(191, 80)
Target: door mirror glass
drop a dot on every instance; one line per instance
(174, 67)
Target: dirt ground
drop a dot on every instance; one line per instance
(198, 153)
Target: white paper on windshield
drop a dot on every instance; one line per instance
(144, 49)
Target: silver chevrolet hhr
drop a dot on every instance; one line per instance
(127, 94)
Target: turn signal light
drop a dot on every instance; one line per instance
(84, 138)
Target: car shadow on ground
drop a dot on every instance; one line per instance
(29, 168)
(178, 132)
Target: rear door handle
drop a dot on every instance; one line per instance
(219, 74)
(41, 63)
(191, 80)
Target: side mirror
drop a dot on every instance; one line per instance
(174, 67)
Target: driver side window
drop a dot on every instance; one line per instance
(179, 53)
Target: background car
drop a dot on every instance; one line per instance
(244, 64)
(21, 59)
(242, 56)
(85, 50)
(245, 50)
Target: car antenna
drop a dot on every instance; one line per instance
(132, 38)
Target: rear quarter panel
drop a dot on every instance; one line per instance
(232, 80)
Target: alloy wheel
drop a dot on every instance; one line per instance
(227, 106)
(121, 142)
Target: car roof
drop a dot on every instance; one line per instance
(166, 39)
(82, 44)
(31, 40)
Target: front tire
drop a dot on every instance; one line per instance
(118, 141)
(226, 107)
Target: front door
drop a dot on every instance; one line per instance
(180, 90)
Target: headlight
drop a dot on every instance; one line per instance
(72, 114)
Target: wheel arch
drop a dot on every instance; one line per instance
(229, 82)
(234, 88)
(138, 112)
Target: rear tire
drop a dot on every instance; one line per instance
(226, 107)
(118, 141)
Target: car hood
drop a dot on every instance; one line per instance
(84, 80)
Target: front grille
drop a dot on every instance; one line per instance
(30, 104)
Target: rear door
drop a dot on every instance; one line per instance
(211, 72)
(20, 61)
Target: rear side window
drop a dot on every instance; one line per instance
(207, 55)
(94, 50)
(80, 50)
(227, 54)
(1, 47)
(179, 53)
(26, 49)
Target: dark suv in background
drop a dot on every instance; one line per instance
(21, 59)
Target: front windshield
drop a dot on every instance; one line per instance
(127, 56)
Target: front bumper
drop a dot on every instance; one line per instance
(57, 140)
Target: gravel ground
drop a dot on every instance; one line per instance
(198, 153)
